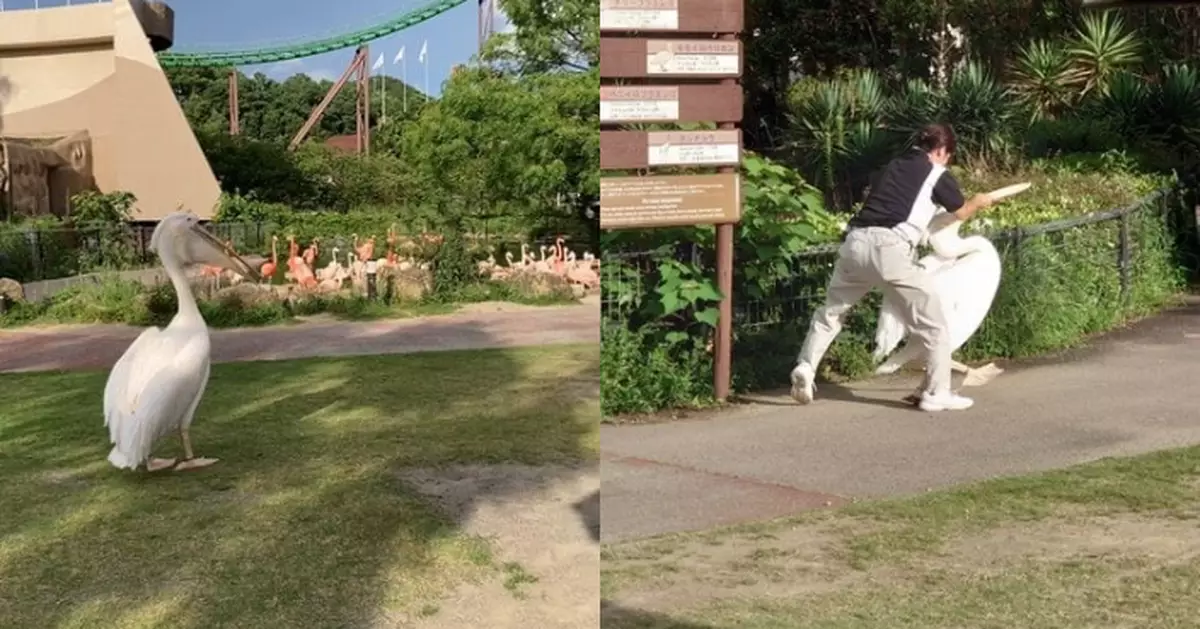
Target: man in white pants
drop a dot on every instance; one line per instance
(880, 251)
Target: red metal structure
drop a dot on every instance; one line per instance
(362, 118)
(235, 125)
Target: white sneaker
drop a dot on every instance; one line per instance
(948, 401)
(802, 383)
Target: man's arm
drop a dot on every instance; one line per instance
(947, 194)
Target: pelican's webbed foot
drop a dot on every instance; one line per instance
(188, 464)
(982, 375)
(190, 460)
(154, 465)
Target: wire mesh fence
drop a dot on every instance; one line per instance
(1102, 266)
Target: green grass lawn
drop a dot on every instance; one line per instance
(1110, 544)
(303, 522)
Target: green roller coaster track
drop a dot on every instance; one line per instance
(308, 48)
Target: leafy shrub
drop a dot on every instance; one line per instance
(109, 299)
(453, 266)
(667, 290)
(95, 237)
(640, 374)
(844, 129)
(1053, 138)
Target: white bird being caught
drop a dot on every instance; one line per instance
(155, 387)
(966, 275)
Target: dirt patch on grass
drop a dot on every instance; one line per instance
(495, 306)
(544, 525)
(813, 559)
(682, 572)
(1153, 538)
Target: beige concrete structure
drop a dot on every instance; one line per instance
(87, 76)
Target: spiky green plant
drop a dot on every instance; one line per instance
(981, 111)
(1101, 48)
(1045, 80)
(837, 131)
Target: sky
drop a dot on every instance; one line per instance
(249, 24)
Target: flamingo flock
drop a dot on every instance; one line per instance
(555, 260)
(302, 271)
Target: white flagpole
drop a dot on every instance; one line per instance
(403, 77)
(374, 68)
(425, 63)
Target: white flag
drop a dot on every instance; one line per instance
(399, 56)
(378, 63)
(424, 51)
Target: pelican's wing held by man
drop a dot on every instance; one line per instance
(889, 331)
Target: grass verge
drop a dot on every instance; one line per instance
(1109, 544)
(304, 521)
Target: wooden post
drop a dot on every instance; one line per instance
(660, 81)
(723, 347)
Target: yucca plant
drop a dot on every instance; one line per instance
(1125, 106)
(1045, 80)
(981, 112)
(836, 130)
(917, 105)
(1100, 49)
(1175, 104)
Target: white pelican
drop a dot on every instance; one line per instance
(966, 274)
(155, 387)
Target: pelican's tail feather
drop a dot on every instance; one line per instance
(121, 461)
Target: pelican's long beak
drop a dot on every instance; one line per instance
(217, 253)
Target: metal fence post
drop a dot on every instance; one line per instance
(1125, 252)
(33, 237)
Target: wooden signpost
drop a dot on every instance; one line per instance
(665, 62)
(669, 103)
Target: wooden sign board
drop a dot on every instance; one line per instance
(680, 16)
(669, 201)
(621, 104)
(643, 149)
(670, 58)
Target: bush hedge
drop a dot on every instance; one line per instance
(114, 300)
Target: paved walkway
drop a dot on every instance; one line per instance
(99, 346)
(1128, 393)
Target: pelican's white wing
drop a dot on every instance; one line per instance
(889, 331)
(149, 391)
(122, 372)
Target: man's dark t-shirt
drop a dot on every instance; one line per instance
(902, 191)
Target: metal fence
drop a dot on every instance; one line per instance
(1105, 249)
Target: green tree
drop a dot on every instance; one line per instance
(503, 144)
(549, 35)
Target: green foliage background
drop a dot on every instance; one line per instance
(1098, 110)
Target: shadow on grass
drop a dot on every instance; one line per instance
(613, 616)
(304, 522)
(589, 512)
